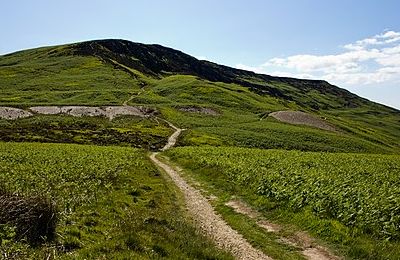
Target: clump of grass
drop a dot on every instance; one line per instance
(34, 218)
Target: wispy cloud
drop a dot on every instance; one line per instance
(367, 61)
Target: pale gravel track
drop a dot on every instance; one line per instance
(203, 213)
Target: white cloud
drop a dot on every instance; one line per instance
(201, 57)
(364, 78)
(325, 63)
(292, 75)
(259, 70)
(389, 37)
(371, 60)
(390, 60)
(389, 34)
(379, 39)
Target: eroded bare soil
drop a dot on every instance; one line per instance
(301, 118)
(200, 110)
(13, 113)
(78, 111)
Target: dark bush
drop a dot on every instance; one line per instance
(34, 217)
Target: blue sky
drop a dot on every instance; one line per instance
(353, 44)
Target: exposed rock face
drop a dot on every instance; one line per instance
(82, 111)
(49, 110)
(112, 112)
(301, 118)
(13, 113)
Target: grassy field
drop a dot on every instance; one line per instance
(349, 200)
(112, 203)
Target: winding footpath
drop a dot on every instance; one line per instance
(203, 213)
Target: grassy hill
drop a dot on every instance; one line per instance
(230, 144)
(109, 72)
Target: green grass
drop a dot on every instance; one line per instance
(245, 129)
(243, 122)
(185, 89)
(266, 241)
(348, 200)
(40, 77)
(113, 203)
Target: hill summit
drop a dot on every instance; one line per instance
(158, 61)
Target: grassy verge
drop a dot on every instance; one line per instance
(112, 202)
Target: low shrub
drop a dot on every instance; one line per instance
(33, 217)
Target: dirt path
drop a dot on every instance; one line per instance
(125, 103)
(203, 213)
(172, 139)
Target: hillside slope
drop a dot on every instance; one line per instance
(111, 72)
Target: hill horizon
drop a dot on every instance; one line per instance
(159, 45)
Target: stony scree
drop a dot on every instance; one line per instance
(13, 113)
(77, 111)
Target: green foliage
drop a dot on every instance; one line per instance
(113, 204)
(123, 131)
(7, 234)
(359, 191)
